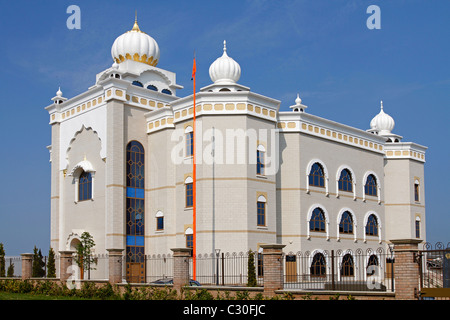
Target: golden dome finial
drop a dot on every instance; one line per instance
(135, 26)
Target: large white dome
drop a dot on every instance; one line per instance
(135, 45)
(382, 122)
(225, 70)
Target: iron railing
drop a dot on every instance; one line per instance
(343, 270)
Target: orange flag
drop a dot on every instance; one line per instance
(194, 70)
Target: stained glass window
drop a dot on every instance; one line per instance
(135, 205)
(85, 186)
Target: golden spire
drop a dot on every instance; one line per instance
(135, 26)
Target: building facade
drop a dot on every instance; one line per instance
(122, 167)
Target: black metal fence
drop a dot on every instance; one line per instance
(342, 270)
(229, 269)
(434, 266)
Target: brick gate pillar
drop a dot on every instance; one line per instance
(27, 265)
(180, 267)
(406, 269)
(65, 261)
(115, 265)
(273, 268)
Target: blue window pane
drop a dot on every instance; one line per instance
(131, 192)
(140, 193)
(139, 240)
(130, 241)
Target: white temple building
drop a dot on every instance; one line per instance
(122, 153)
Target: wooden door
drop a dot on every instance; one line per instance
(291, 268)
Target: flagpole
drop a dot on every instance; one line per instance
(194, 218)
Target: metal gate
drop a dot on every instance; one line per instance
(434, 271)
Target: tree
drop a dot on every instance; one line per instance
(251, 278)
(38, 264)
(51, 270)
(84, 257)
(2, 260)
(11, 270)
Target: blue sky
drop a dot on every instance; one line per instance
(320, 49)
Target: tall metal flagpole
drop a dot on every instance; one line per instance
(194, 218)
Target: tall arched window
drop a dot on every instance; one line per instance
(189, 192)
(372, 226)
(189, 136)
(317, 221)
(85, 186)
(370, 188)
(318, 266)
(260, 160)
(347, 266)
(345, 181)
(189, 234)
(159, 221)
(135, 212)
(261, 211)
(317, 176)
(346, 224)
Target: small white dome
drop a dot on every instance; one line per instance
(135, 45)
(59, 92)
(225, 70)
(382, 122)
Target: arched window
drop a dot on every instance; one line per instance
(370, 188)
(85, 186)
(346, 224)
(135, 212)
(347, 266)
(152, 87)
(372, 226)
(159, 221)
(189, 135)
(345, 181)
(261, 211)
(318, 266)
(317, 176)
(189, 234)
(373, 261)
(166, 91)
(137, 83)
(189, 192)
(317, 221)
(260, 160)
(417, 227)
(416, 190)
